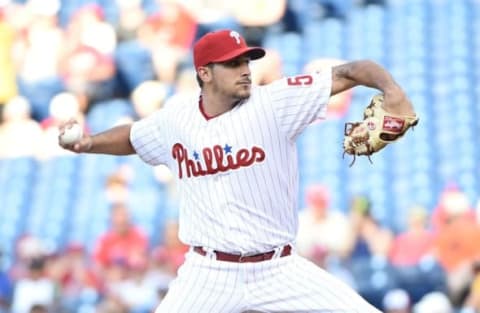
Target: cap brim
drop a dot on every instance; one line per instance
(253, 53)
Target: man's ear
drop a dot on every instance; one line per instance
(205, 73)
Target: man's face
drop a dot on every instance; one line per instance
(232, 78)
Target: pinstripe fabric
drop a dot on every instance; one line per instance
(237, 179)
(288, 284)
(248, 201)
(294, 284)
(205, 285)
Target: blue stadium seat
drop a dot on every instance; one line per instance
(106, 114)
(39, 94)
(373, 278)
(134, 64)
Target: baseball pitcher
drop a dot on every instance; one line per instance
(232, 150)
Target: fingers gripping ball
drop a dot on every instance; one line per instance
(378, 129)
(71, 134)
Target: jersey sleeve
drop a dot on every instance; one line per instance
(299, 100)
(149, 138)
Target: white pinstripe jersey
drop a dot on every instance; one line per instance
(237, 173)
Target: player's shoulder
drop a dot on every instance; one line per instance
(259, 89)
(298, 81)
(273, 87)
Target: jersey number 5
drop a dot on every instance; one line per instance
(300, 80)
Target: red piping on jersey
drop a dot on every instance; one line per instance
(202, 110)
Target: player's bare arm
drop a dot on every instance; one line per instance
(369, 74)
(115, 141)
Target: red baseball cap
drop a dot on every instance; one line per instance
(222, 45)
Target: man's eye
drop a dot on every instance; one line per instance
(233, 63)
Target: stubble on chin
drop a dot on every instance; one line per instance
(243, 94)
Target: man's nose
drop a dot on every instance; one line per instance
(245, 69)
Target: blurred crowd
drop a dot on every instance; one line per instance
(72, 59)
(110, 62)
(432, 265)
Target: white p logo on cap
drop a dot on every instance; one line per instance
(235, 35)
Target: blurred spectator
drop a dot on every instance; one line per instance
(397, 301)
(317, 223)
(148, 97)
(456, 242)
(211, 15)
(8, 86)
(113, 275)
(185, 82)
(88, 65)
(88, 28)
(20, 135)
(87, 71)
(332, 264)
(76, 279)
(160, 272)
(123, 242)
(39, 45)
(117, 189)
(134, 65)
(34, 289)
(174, 247)
(370, 238)
(165, 259)
(111, 306)
(63, 107)
(173, 24)
(267, 69)
(37, 52)
(135, 291)
(165, 176)
(27, 248)
(172, 251)
(452, 202)
(131, 16)
(415, 242)
(256, 15)
(168, 34)
(434, 302)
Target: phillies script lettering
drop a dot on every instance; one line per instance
(215, 160)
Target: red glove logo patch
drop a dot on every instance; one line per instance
(393, 124)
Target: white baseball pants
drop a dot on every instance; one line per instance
(283, 284)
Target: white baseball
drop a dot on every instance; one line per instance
(71, 135)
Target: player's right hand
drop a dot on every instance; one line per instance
(83, 145)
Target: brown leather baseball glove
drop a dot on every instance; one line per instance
(377, 129)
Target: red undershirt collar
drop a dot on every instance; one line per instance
(202, 110)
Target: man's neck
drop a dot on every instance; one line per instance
(214, 104)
